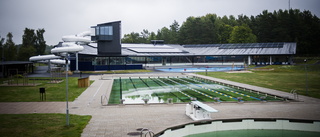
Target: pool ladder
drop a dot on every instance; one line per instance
(295, 94)
(145, 132)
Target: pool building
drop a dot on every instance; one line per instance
(106, 52)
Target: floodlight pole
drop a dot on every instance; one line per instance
(305, 67)
(67, 103)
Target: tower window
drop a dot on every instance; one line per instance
(104, 30)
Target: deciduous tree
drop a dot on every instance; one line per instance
(242, 34)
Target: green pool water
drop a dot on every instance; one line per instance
(257, 133)
(159, 90)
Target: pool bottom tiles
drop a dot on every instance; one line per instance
(182, 89)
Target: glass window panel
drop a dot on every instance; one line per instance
(101, 30)
(104, 30)
(110, 30)
(97, 31)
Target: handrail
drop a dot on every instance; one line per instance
(148, 132)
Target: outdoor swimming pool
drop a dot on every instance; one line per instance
(256, 133)
(200, 69)
(136, 90)
(253, 127)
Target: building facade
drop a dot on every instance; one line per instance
(107, 53)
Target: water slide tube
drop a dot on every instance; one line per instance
(54, 61)
(59, 61)
(79, 38)
(71, 44)
(70, 48)
(44, 57)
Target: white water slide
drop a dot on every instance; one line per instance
(71, 44)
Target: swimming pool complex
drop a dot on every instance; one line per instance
(135, 90)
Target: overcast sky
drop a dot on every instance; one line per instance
(65, 17)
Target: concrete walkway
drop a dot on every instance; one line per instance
(32, 107)
(118, 121)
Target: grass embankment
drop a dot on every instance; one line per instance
(42, 125)
(54, 92)
(280, 77)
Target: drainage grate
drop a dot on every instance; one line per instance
(134, 133)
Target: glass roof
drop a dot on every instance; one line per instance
(149, 48)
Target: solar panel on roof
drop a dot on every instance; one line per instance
(238, 45)
(251, 45)
(156, 49)
(140, 50)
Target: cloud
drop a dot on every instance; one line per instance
(65, 17)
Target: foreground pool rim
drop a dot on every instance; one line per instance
(240, 124)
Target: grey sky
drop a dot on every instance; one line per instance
(65, 17)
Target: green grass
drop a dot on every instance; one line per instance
(54, 92)
(41, 125)
(283, 78)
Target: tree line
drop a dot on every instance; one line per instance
(33, 43)
(279, 26)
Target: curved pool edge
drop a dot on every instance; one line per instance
(240, 124)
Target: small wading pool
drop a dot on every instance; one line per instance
(257, 133)
(182, 89)
(260, 127)
(200, 69)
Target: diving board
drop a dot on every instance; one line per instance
(198, 111)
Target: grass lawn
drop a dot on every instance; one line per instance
(54, 92)
(283, 78)
(41, 125)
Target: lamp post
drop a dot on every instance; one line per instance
(305, 67)
(67, 103)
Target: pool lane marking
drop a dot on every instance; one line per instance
(209, 90)
(133, 84)
(175, 88)
(165, 87)
(192, 89)
(228, 90)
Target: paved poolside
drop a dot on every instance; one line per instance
(117, 120)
